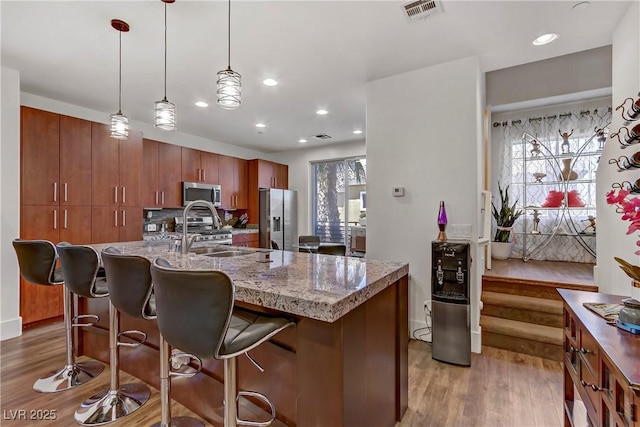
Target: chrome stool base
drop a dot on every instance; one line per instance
(108, 405)
(68, 377)
(181, 422)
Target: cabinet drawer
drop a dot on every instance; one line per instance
(588, 349)
(245, 237)
(590, 396)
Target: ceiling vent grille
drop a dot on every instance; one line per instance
(322, 136)
(421, 9)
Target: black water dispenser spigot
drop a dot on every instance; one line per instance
(440, 273)
(459, 273)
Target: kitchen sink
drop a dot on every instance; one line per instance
(207, 251)
(227, 253)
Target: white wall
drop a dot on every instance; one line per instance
(613, 241)
(177, 137)
(424, 134)
(10, 320)
(299, 162)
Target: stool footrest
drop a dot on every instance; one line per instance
(127, 334)
(95, 319)
(263, 398)
(177, 357)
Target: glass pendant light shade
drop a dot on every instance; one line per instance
(119, 126)
(164, 115)
(229, 89)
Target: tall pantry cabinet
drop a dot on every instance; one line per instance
(55, 195)
(117, 186)
(78, 185)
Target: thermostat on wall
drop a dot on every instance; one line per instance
(397, 191)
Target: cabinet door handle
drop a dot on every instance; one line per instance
(115, 194)
(65, 220)
(124, 218)
(124, 195)
(55, 219)
(115, 217)
(584, 383)
(162, 199)
(55, 191)
(156, 197)
(65, 191)
(204, 175)
(584, 350)
(199, 174)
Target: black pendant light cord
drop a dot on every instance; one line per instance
(165, 52)
(229, 37)
(120, 73)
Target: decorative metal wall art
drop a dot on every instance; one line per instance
(633, 112)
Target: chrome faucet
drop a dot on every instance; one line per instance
(186, 241)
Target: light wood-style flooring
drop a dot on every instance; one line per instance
(501, 388)
(544, 271)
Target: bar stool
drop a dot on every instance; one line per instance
(130, 292)
(196, 314)
(332, 250)
(37, 260)
(308, 243)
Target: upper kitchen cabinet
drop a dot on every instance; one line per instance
(116, 168)
(234, 175)
(268, 174)
(199, 166)
(56, 159)
(161, 171)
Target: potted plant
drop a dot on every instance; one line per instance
(505, 218)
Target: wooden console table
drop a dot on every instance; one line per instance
(601, 364)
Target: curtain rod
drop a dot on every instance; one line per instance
(550, 117)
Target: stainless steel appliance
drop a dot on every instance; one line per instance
(451, 267)
(200, 191)
(278, 218)
(204, 226)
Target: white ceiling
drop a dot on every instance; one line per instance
(321, 52)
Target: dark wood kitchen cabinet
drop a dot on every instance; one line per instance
(264, 174)
(199, 166)
(162, 177)
(55, 181)
(56, 159)
(116, 210)
(601, 365)
(116, 167)
(234, 175)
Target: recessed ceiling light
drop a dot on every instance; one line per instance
(261, 125)
(545, 39)
(201, 104)
(322, 112)
(357, 131)
(302, 141)
(269, 82)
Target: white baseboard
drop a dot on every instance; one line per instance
(476, 340)
(10, 328)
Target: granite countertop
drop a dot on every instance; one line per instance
(321, 287)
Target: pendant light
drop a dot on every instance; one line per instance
(164, 115)
(119, 122)
(229, 84)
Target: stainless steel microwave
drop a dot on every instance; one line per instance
(200, 191)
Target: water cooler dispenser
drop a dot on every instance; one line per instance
(450, 309)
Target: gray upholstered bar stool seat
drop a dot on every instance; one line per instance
(196, 314)
(308, 243)
(130, 291)
(37, 260)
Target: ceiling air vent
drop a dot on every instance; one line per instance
(322, 136)
(421, 9)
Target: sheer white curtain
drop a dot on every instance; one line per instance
(507, 137)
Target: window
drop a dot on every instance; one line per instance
(338, 200)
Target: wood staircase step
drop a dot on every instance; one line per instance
(522, 302)
(522, 337)
(530, 288)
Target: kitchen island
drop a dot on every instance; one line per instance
(343, 364)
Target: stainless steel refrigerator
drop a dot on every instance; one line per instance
(278, 218)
